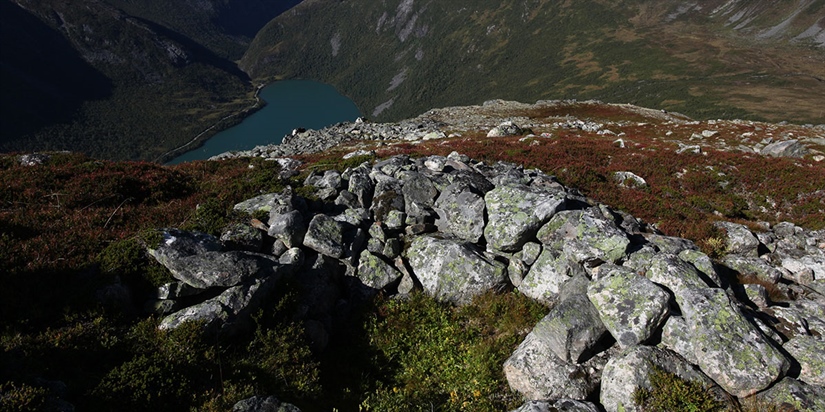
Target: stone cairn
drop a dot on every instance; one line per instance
(624, 299)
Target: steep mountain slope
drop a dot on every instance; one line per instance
(123, 79)
(150, 89)
(225, 27)
(705, 58)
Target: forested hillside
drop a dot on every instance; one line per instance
(707, 59)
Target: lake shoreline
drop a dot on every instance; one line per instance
(281, 106)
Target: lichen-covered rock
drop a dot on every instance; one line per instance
(452, 271)
(375, 273)
(753, 266)
(571, 329)
(224, 269)
(288, 227)
(739, 239)
(259, 203)
(676, 337)
(461, 213)
(534, 371)
(264, 404)
(674, 273)
(631, 307)
(810, 353)
(325, 236)
(703, 264)
(584, 236)
(561, 405)
(547, 275)
(630, 371)
(812, 263)
(515, 214)
(729, 348)
(793, 395)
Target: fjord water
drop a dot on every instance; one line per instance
(291, 104)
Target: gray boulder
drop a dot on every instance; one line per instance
(452, 271)
(507, 128)
(703, 264)
(227, 313)
(674, 273)
(670, 244)
(739, 239)
(264, 404)
(547, 276)
(516, 212)
(362, 187)
(730, 350)
(461, 213)
(288, 227)
(584, 236)
(788, 148)
(571, 329)
(793, 395)
(534, 371)
(326, 236)
(178, 243)
(810, 353)
(753, 266)
(419, 189)
(240, 236)
(375, 273)
(223, 269)
(631, 307)
(631, 370)
(676, 337)
(561, 405)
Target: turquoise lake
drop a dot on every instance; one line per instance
(291, 104)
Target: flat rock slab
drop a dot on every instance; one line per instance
(730, 350)
(453, 272)
(809, 351)
(631, 307)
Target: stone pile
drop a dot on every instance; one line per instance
(624, 300)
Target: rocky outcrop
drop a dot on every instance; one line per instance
(624, 301)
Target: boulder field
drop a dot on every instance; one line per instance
(625, 301)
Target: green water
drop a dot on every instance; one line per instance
(291, 104)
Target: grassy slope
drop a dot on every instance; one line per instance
(463, 52)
